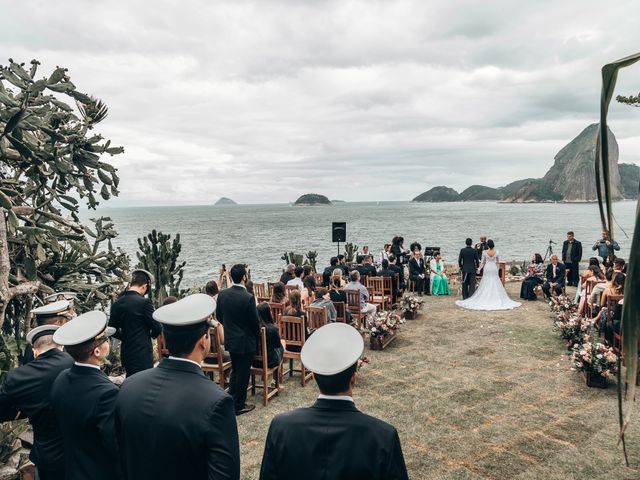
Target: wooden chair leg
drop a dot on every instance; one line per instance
(303, 372)
(291, 367)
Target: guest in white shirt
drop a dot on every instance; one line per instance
(297, 281)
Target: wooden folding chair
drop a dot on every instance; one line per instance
(316, 317)
(277, 310)
(612, 303)
(355, 307)
(220, 366)
(270, 288)
(387, 291)
(267, 374)
(376, 292)
(260, 290)
(292, 331)
(290, 288)
(341, 314)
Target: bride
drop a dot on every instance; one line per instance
(491, 294)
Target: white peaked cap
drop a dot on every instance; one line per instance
(332, 349)
(61, 296)
(190, 310)
(38, 332)
(83, 328)
(52, 308)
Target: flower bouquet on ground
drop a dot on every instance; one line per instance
(410, 305)
(562, 303)
(572, 327)
(383, 329)
(596, 361)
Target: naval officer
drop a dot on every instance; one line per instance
(173, 422)
(55, 313)
(84, 400)
(332, 439)
(132, 317)
(25, 393)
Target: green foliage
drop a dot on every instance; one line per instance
(159, 255)
(350, 251)
(312, 259)
(291, 257)
(630, 100)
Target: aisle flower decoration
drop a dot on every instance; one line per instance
(385, 323)
(572, 327)
(410, 304)
(594, 358)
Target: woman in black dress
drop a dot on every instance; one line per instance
(275, 350)
(535, 272)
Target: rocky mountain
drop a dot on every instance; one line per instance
(310, 199)
(438, 194)
(476, 193)
(629, 180)
(225, 201)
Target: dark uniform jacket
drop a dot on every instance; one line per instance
(27, 390)
(468, 260)
(576, 251)
(559, 277)
(84, 401)
(332, 440)
(236, 311)
(174, 423)
(132, 317)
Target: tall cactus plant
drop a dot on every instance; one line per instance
(159, 255)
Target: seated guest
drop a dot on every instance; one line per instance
(326, 274)
(592, 276)
(613, 326)
(288, 274)
(279, 293)
(306, 271)
(418, 271)
(275, 349)
(615, 288)
(533, 278)
(555, 278)
(308, 293)
(297, 280)
(360, 265)
(439, 283)
(365, 251)
(602, 281)
(386, 251)
(353, 445)
(396, 268)
(354, 284)
(367, 265)
(342, 264)
(385, 271)
(323, 299)
(211, 289)
(335, 287)
(295, 310)
(619, 265)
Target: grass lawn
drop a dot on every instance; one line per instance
(477, 395)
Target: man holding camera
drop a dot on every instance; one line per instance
(605, 248)
(571, 256)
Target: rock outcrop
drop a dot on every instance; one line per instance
(438, 194)
(225, 201)
(629, 180)
(310, 199)
(477, 193)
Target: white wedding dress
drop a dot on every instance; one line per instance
(490, 294)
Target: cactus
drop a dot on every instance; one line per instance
(159, 255)
(350, 250)
(312, 259)
(295, 258)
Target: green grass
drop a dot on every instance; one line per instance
(477, 395)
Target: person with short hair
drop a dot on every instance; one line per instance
(418, 271)
(84, 400)
(26, 393)
(323, 300)
(606, 248)
(342, 264)
(367, 265)
(236, 311)
(367, 308)
(297, 280)
(132, 318)
(571, 256)
(386, 251)
(172, 422)
(353, 445)
(439, 282)
(327, 272)
(288, 274)
(386, 271)
(554, 278)
(468, 262)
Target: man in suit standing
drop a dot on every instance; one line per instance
(84, 400)
(171, 421)
(332, 439)
(26, 393)
(468, 263)
(236, 311)
(132, 317)
(571, 256)
(418, 272)
(555, 278)
(481, 246)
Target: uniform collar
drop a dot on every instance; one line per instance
(89, 365)
(322, 396)
(171, 357)
(335, 403)
(239, 285)
(180, 364)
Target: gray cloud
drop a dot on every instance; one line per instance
(263, 101)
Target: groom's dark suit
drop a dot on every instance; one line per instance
(554, 274)
(468, 263)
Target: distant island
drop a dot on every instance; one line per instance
(338, 201)
(311, 199)
(224, 201)
(570, 179)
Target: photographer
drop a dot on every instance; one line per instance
(605, 248)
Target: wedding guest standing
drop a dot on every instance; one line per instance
(132, 317)
(533, 278)
(386, 251)
(439, 282)
(468, 262)
(555, 278)
(571, 256)
(172, 422)
(332, 439)
(26, 393)
(605, 248)
(84, 399)
(236, 311)
(481, 246)
(418, 272)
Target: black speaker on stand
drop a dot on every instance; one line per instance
(339, 233)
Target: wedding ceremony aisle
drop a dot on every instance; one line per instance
(477, 395)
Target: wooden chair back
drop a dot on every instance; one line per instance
(270, 288)
(220, 366)
(260, 290)
(277, 310)
(316, 317)
(163, 351)
(341, 315)
(387, 289)
(291, 288)
(269, 389)
(612, 302)
(364, 280)
(292, 330)
(353, 301)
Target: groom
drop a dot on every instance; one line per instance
(468, 263)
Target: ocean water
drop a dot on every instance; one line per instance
(259, 234)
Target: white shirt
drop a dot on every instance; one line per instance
(87, 365)
(296, 281)
(322, 396)
(171, 357)
(241, 285)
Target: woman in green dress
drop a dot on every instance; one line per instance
(439, 283)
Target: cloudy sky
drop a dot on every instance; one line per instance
(359, 100)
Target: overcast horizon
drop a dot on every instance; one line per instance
(359, 101)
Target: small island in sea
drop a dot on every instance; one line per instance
(311, 199)
(224, 201)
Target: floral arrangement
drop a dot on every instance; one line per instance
(594, 357)
(385, 324)
(563, 304)
(572, 327)
(411, 303)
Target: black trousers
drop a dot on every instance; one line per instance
(421, 285)
(546, 288)
(573, 274)
(239, 378)
(468, 284)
